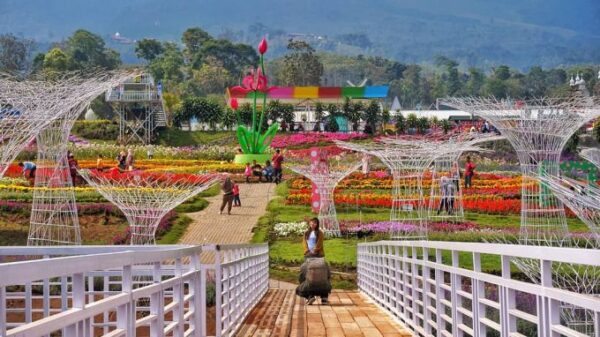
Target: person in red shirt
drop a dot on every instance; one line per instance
(236, 195)
(277, 160)
(469, 172)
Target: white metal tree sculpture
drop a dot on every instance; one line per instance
(592, 155)
(407, 162)
(54, 219)
(24, 111)
(446, 173)
(145, 198)
(325, 171)
(584, 201)
(538, 129)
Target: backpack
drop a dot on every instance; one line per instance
(317, 272)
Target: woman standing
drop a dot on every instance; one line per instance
(227, 189)
(313, 240)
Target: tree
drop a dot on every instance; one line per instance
(148, 49)
(274, 110)
(168, 65)
(236, 58)
(357, 111)
(245, 114)
(475, 82)
(446, 126)
(287, 113)
(411, 121)
(14, 53)
(385, 116)
(400, 123)
(422, 125)
(372, 116)
(502, 73)
(211, 78)
(210, 112)
(411, 86)
(87, 50)
(55, 60)
(318, 116)
(347, 108)
(452, 82)
(228, 119)
(193, 38)
(301, 66)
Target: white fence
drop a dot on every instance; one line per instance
(442, 289)
(129, 290)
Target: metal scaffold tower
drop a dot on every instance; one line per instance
(54, 219)
(538, 130)
(138, 102)
(145, 198)
(325, 171)
(407, 163)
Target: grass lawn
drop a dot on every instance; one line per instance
(177, 137)
(286, 253)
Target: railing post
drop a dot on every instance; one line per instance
(78, 302)
(178, 296)
(405, 285)
(196, 288)
(414, 282)
(2, 311)
(507, 302)
(218, 293)
(454, 298)
(478, 291)
(439, 278)
(157, 305)
(426, 292)
(125, 312)
(550, 309)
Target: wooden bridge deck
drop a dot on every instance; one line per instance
(349, 313)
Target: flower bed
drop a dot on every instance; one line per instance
(303, 138)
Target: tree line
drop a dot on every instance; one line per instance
(201, 65)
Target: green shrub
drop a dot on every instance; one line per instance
(96, 129)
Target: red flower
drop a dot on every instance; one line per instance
(233, 103)
(262, 46)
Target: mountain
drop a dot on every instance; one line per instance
(520, 33)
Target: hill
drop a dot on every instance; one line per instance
(477, 33)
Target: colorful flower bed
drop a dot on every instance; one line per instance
(491, 193)
(296, 139)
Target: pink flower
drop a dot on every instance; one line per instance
(262, 46)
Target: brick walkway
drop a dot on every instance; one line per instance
(350, 313)
(209, 226)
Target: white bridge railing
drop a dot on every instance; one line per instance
(442, 289)
(129, 290)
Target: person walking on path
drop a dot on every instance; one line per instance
(277, 161)
(236, 195)
(469, 172)
(227, 189)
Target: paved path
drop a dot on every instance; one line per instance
(209, 226)
(281, 313)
